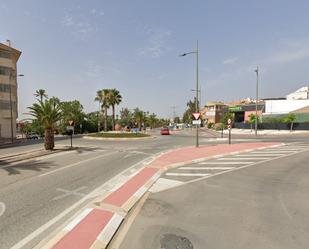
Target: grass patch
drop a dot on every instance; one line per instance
(119, 135)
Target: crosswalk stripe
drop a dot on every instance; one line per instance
(207, 168)
(243, 158)
(266, 153)
(186, 174)
(225, 162)
(255, 155)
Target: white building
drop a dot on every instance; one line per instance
(302, 93)
(294, 101)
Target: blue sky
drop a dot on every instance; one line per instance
(73, 48)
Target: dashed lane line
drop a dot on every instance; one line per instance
(77, 163)
(206, 168)
(225, 163)
(242, 158)
(2, 208)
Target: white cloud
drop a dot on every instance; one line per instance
(84, 23)
(156, 42)
(230, 61)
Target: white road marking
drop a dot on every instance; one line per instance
(242, 158)
(163, 184)
(2, 208)
(256, 155)
(208, 168)
(99, 190)
(69, 192)
(240, 168)
(186, 174)
(266, 153)
(77, 163)
(225, 162)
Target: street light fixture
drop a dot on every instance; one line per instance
(11, 104)
(196, 52)
(257, 99)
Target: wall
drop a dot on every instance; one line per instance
(284, 106)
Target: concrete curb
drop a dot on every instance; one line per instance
(118, 139)
(106, 207)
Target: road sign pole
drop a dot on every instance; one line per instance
(230, 137)
(71, 140)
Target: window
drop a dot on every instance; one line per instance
(5, 70)
(5, 54)
(5, 105)
(5, 88)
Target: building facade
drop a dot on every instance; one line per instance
(8, 90)
(213, 112)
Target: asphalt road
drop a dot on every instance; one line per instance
(34, 193)
(247, 201)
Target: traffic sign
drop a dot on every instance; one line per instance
(196, 122)
(229, 121)
(70, 128)
(229, 126)
(71, 122)
(196, 115)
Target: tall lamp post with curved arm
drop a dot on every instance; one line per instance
(196, 52)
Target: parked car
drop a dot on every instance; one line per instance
(165, 131)
(33, 135)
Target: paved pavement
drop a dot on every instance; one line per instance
(250, 200)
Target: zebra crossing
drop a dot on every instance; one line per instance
(180, 175)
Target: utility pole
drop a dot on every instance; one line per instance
(257, 100)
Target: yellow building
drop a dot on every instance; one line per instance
(8, 90)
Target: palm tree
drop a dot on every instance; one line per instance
(139, 117)
(103, 97)
(100, 99)
(114, 99)
(55, 100)
(48, 114)
(41, 93)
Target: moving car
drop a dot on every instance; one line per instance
(165, 131)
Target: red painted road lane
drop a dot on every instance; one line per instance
(192, 153)
(84, 234)
(126, 191)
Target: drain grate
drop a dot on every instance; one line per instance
(173, 241)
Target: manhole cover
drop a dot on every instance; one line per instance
(173, 241)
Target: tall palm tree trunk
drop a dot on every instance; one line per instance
(113, 120)
(105, 120)
(49, 142)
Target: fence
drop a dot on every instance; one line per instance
(273, 126)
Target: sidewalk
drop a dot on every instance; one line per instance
(95, 226)
(263, 132)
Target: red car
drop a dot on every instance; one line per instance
(165, 131)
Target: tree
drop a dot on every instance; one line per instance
(191, 108)
(48, 114)
(41, 93)
(114, 98)
(139, 117)
(153, 121)
(290, 119)
(72, 110)
(126, 117)
(252, 118)
(103, 97)
(225, 118)
(55, 100)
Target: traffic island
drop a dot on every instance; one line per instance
(117, 136)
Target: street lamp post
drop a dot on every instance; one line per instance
(196, 52)
(257, 99)
(11, 102)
